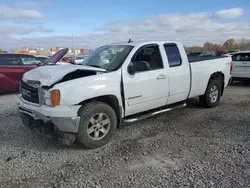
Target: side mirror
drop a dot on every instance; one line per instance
(138, 66)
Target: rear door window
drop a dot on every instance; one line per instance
(8, 59)
(173, 55)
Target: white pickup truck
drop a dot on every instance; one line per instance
(122, 82)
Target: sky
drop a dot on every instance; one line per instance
(92, 23)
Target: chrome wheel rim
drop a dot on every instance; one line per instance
(98, 127)
(214, 94)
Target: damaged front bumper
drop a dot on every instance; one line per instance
(63, 128)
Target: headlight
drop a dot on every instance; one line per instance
(52, 98)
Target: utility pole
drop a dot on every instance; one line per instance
(73, 46)
(88, 46)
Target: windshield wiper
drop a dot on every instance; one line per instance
(97, 66)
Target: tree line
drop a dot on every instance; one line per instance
(229, 45)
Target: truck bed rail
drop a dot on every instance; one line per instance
(193, 59)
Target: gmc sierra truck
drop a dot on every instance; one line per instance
(121, 82)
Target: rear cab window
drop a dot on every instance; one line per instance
(173, 55)
(8, 59)
(241, 57)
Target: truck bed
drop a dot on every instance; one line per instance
(201, 72)
(193, 59)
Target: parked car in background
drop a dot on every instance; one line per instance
(208, 54)
(220, 52)
(229, 54)
(66, 61)
(233, 51)
(12, 67)
(42, 57)
(78, 59)
(86, 103)
(194, 54)
(240, 66)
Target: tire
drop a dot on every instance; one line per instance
(89, 114)
(208, 101)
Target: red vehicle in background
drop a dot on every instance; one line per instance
(65, 61)
(221, 52)
(68, 60)
(13, 66)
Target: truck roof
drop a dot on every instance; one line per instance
(144, 42)
(239, 52)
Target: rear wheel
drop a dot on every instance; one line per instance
(211, 98)
(97, 125)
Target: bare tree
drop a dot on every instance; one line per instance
(228, 45)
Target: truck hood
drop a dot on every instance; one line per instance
(48, 75)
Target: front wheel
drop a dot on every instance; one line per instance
(97, 125)
(211, 98)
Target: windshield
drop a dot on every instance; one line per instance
(108, 57)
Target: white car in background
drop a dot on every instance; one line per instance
(79, 59)
(229, 54)
(240, 67)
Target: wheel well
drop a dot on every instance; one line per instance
(219, 76)
(111, 100)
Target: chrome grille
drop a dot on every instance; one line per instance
(29, 93)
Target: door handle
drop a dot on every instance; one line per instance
(161, 76)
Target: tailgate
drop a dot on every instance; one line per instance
(241, 66)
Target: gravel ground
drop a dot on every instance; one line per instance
(189, 147)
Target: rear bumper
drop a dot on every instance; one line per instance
(238, 75)
(242, 79)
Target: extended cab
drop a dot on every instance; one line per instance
(123, 82)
